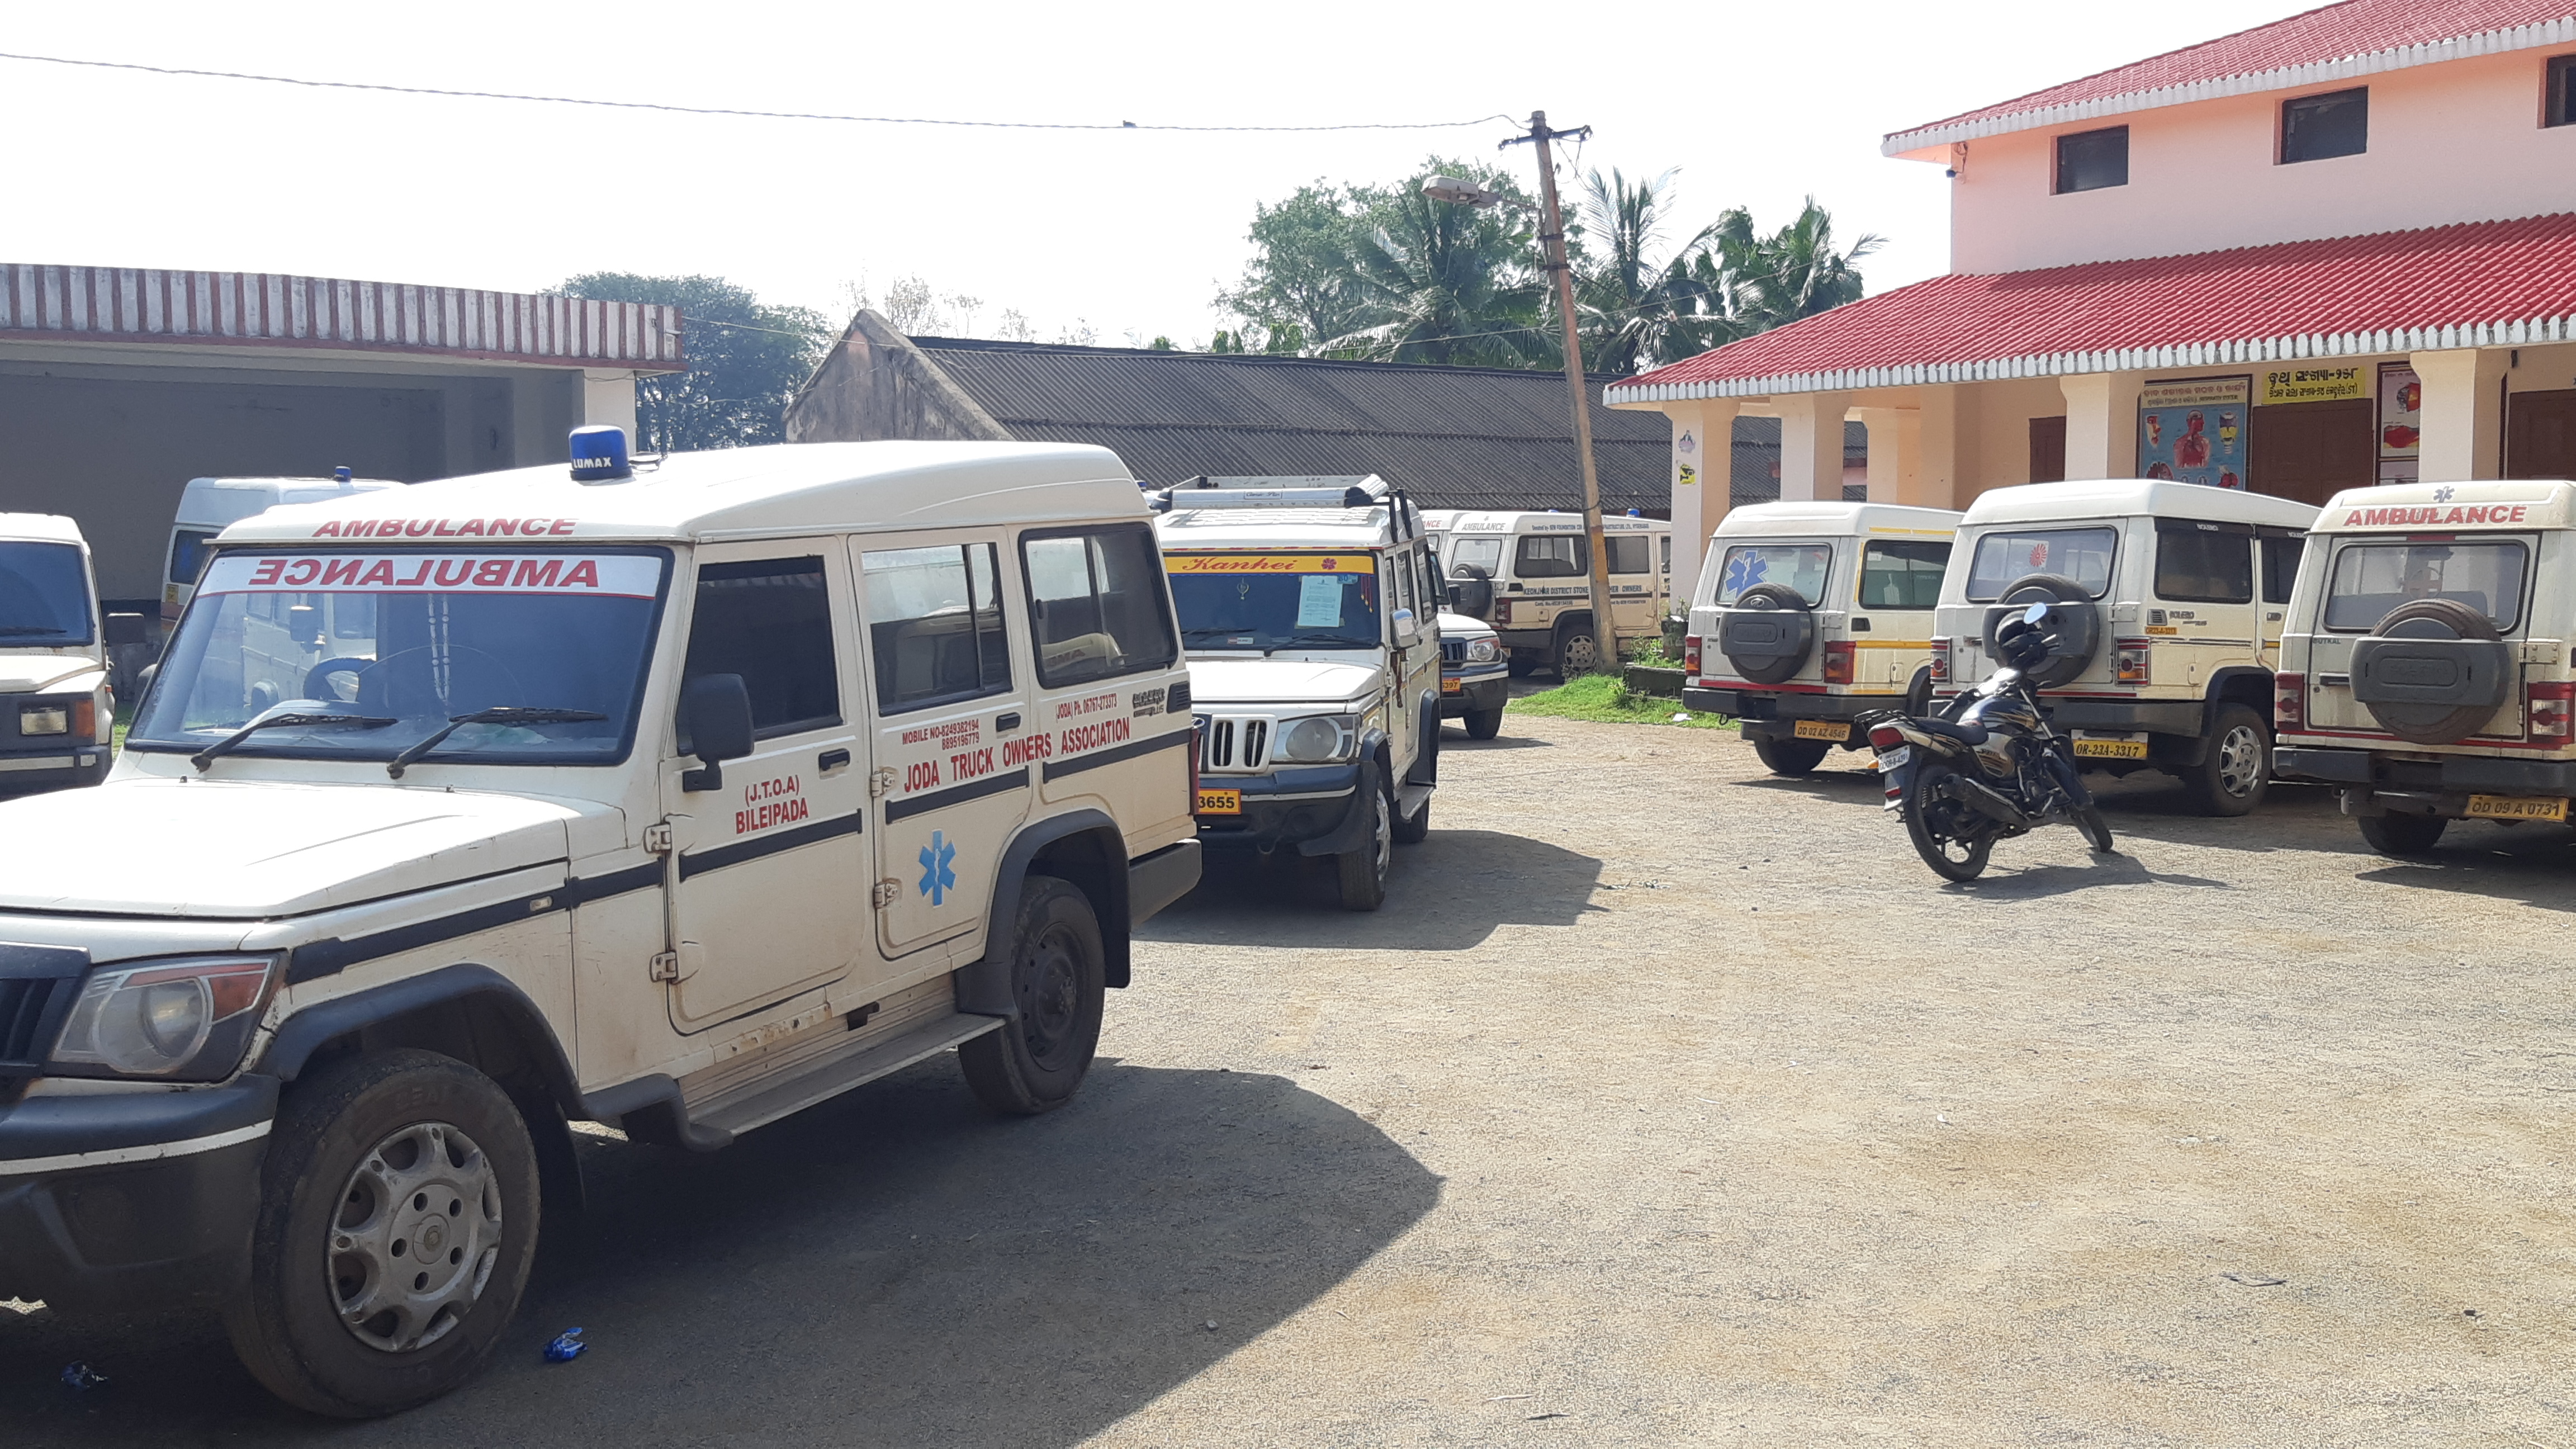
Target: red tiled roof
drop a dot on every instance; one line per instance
(2351, 38)
(2494, 283)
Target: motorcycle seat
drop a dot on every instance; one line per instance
(1966, 734)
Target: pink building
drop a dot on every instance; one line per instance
(2330, 251)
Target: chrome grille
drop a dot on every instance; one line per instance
(25, 1009)
(1256, 743)
(1453, 651)
(1220, 744)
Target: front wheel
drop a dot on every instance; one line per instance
(2097, 831)
(1484, 724)
(1361, 870)
(397, 1221)
(1059, 977)
(1792, 758)
(2402, 835)
(1952, 839)
(2230, 778)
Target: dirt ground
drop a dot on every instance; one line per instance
(1665, 1103)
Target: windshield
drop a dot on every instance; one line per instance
(2372, 578)
(1275, 600)
(2008, 556)
(1797, 566)
(44, 594)
(1485, 552)
(416, 637)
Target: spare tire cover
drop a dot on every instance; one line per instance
(1471, 591)
(2432, 671)
(2074, 626)
(1767, 633)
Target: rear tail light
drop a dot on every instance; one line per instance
(2289, 701)
(1690, 657)
(1940, 661)
(1886, 737)
(1502, 611)
(1838, 662)
(2549, 712)
(2135, 666)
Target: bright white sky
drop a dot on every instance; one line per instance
(1136, 232)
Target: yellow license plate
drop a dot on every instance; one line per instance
(1220, 802)
(2517, 807)
(1452, 686)
(1836, 730)
(2112, 749)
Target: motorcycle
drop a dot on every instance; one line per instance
(1986, 766)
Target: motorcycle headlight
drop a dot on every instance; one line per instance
(1483, 651)
(187, 1020)
(1315, 740)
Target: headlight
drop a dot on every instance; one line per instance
(187, 1021)
(1315, 740)
(1483, 651)
(44, 719)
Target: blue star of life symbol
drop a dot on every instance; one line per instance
(2443, 493)
(937, 879)
(1744, 572)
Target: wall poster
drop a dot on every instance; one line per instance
(2192, 430)
(2314, 384)
(2401, 422)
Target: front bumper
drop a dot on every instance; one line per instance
(1309, 806)
(1476, 694)
(30, 771)
(2377, 784)
(127, 1201)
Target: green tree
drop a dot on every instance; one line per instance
(1636, 305)
(746, 361)
(1441, 283)
(1300, 278)
(1795, 272)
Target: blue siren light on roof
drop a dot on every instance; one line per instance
(599, 454)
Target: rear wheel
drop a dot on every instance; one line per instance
(1484, 724)
(2402, 834)
(1577, 653)
(1792, 758)
(1952, 839)
(1058, 980)
(2231, 777)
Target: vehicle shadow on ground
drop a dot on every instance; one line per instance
(895, 1268)
(1446, 894)
(1454, 737)
(2039, 882)
(2532, 864)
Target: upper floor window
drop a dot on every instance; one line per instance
(2091, 160)
(2562, 91)
(2316, 127)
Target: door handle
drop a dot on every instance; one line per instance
(1004, 724)
(831, 760)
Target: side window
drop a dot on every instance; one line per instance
(1668, 555)
(2280, 566)
(1096, 604)
(1631, 553)
(188, 555)
(2204, 564)
(1552, 556)
(1902, 573)
(1401, 571)
(770, 621)
(934, 624)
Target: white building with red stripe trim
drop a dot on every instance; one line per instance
(2321, 253)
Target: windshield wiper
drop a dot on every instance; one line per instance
(1341, 639)
(21, 631)
(497, 714)
(205, 758)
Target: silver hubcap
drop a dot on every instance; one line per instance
(2240, 760)
(1382, 840)
(1579, 654)
(415, 1238)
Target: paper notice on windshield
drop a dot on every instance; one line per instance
(616, 576)
(1319, 602)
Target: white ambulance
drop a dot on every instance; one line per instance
(2425, 669)
(56, 711)
(1808, 615)
(1310, 606)
(1530, 576)
(676, 797)
(208, 506)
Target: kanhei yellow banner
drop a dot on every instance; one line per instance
(1357, 562)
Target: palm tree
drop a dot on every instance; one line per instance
(1792, 273)
(1637, 310)
(1446, 284)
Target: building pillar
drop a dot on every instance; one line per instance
(2463, 413)
(609, 397)
(1811, 445)
(2102, 423)
(1703, 479)
(1937, 472)
(1895, 443)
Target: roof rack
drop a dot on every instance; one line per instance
(1339, 490)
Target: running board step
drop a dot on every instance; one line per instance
(761, 1103)
(1409, 798)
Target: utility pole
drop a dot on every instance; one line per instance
(1605, 634)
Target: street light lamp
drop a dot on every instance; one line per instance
(1605, 632)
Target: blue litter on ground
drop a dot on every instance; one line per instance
(566, 1347)
(81, 1376)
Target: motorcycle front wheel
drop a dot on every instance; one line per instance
(1952, 839)
(2097, 831)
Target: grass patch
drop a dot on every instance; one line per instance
(124, 721)
(1602, 697)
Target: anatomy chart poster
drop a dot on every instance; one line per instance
(2193, 430)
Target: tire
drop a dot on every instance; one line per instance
(2233, 774)
(1416, 828)
(1929, 821)
(1483, 724)
(1362, 872)
(1059, 979)
(362, 1150)
(1767, 634)
(1517, 665)
(1791, 758)
(2403, 835)
(2076, 637)
(1918, 695)
(2097, 831)
(1577, 653)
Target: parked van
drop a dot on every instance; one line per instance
(57, 713)
(1475, 680)
(677, 798)
(1809, 614)
(2425, 668)
(2168, 629)
(1539, 568)
(1310, 607)
(207, 506)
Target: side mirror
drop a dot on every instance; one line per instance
(123, 629)
(715, 721)
(1406, 631)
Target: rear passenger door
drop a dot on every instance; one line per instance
(954, 745)
(1100, 618)
(2205, 595)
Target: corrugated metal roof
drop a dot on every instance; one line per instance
(2481, 284)
(2357, 37)
(131, 304)
(1454, 437)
